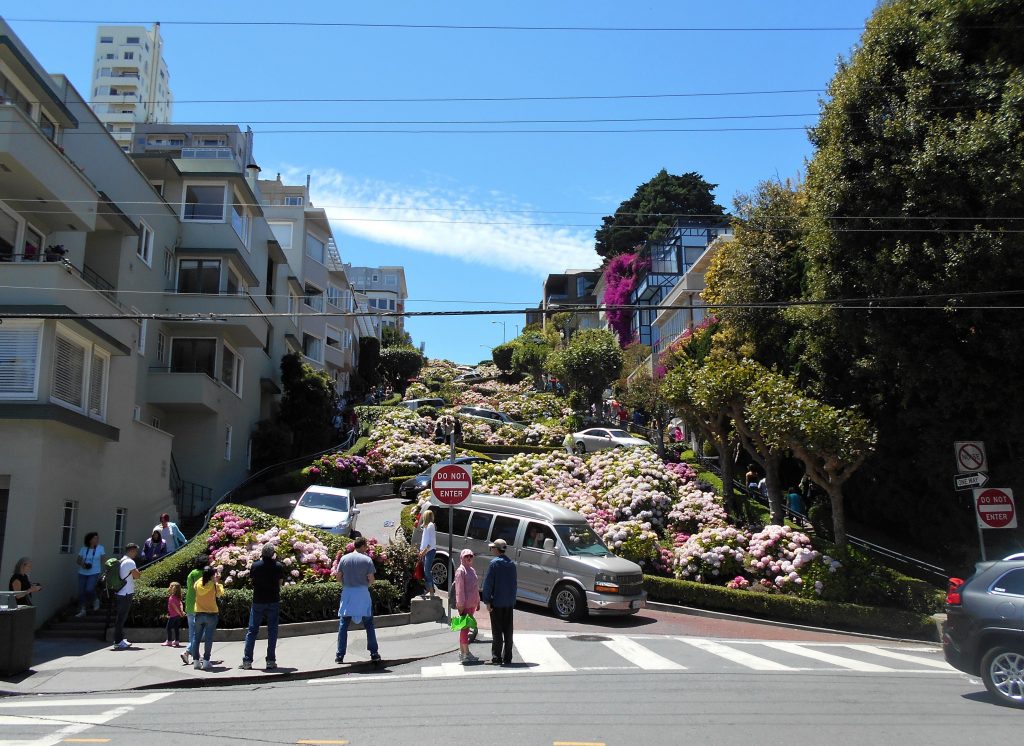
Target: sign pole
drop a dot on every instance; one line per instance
(451, 525)
(981, 541)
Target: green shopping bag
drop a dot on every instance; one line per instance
(463, 621)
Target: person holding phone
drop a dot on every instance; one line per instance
(90, 565)
(19, 582)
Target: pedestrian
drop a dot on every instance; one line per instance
(567, 443)
(499, 594)
(458, 431)
(19, 582)
(175, 615)
(208, 590)
(90, 565)
(796, 501)
(751, 478)
(128, 572)
(190, 602)
(170, 532)
(438, 433)
(467, 600)
(267, 576)
(154, 548)
(355, 570)
(428, 545)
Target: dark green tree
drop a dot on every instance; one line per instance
(588, 363)
(308, 405)
(392, 337)
(399, 364)
(502, 356)
(529, 355)
(655, 207)
(369, 362)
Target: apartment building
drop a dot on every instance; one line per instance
(130, 80)
(317, 281)
(385, 291)
(572, 288)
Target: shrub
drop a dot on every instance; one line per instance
(426, 411)
(338, 470)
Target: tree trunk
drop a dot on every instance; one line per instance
(658, 425)
(725, 454)
(774, 485)
(835, 496)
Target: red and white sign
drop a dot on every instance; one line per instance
(994, 507)
(451, 484)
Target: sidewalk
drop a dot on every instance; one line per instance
(85, 666)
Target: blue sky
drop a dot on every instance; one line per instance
(478, 219)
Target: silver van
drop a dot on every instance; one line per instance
(561, 562)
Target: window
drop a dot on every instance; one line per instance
(283, 233)
(391, 305)
(67, 527)
(536, 534)
(375, 278)
(19, 358)
(293, 307)
(33, 245)
(12, 95)
(161, 347)
(505, 528)
(235, 283)
(1012, 583)
(479, 524)
(120, 527)
(390, 279)
(204, 202)
(346, 338)
(158, 186)
(315, 248)
(106, 40)
(47, 126)
(333, 337)
(227, 442)
(334, 296)
(132, 40)
(240, 220)
(168, 264)
(231, 370)
(69, 371)
(193, 355)
(209, 141)
(199, 276)
(314, 297)
(155, 422)
(312, 347)
(129, 55)
(110, 56)
(144, 250)
(294, 201)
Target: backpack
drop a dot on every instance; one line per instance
(112, 575)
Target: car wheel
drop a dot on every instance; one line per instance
(439, 573)
(567, 603)
(581, 448)
(1002, 670)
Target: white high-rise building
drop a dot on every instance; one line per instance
(130, 81)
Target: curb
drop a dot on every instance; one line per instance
(693, 611)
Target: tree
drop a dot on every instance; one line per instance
(369, 361)
(399, 364)
(646, 393)
(308, 405)
(588, 363)
(502, 356)
(913, 190)
(655, 207)
(528, 357)
(391, 336)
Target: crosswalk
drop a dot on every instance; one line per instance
(558, 653)
(41, 721)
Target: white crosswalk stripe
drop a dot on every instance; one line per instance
(820, 655)
(640, 656)
(537, 649)
(65, 713)
(735, 655)
(916, 659)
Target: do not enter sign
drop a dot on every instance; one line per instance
(451, 484)
(994, 508)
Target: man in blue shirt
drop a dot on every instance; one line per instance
(499, 593)
(355, 570)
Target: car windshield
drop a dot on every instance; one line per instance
(579, 538)
(325, 501)
(619, 434)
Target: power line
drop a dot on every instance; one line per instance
(632, 130)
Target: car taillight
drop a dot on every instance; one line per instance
(953, 591)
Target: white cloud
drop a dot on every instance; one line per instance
(440, 222)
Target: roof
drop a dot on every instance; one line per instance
(323, 490)
(524, 508)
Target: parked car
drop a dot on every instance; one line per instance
(561, 562)
(415, 404)
(601, 439)
(486, 414)
(330, 508)
(414, 485)
(469, 378)
(983, 634)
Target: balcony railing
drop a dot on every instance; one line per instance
(217, 153)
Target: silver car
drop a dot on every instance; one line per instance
(561, 562)
(329, 508)
(602, 438)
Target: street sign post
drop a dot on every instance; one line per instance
(971, 480)
(970, 456)
(451, 484)
(994, 508)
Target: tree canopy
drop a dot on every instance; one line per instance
(399, 364)
(588, 363)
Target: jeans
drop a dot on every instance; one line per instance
(428, 578)
(87, 588)
(191, 619)
(371, 635)
(256, 615)
(173, 628)
(501, 634)
(206, 625)
(122, 605)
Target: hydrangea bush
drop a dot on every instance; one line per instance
(339, 470)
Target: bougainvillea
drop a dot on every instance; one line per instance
(620, 278)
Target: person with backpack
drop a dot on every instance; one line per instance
(120, 578)
(190, 603)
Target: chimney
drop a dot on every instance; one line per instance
(252, 173)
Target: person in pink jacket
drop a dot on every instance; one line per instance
(467, 599)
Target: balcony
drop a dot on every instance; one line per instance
(33, 168)
(209, 153)
(336, 356)
(184, 392)
(216, 317)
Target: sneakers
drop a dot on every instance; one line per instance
(339, 659)
(375, 659)
(165, 644)
(175, 644)
(470, 658)
(271, 666)
(185, 658)
(198, 665)
(123, 645)
(95, 604)
(246, 666)
(81, 613)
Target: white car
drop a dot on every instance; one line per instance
(329, 508)
(601, 439)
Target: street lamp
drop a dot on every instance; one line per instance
(502, 330)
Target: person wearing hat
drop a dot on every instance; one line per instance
(467, 599)
(499, 594)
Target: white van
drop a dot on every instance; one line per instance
(561, 563)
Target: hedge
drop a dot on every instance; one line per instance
(485, 448)
(299, 603)
(405, 520)
(852, 617)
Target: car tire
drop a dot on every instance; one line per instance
(1002, 670)
(439, 572)
(567, 603)
(581, 448)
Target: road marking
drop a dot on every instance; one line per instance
(904, 657)
(835, 660)
(538, 651)
(453, 668)
(147, 699)
(736, 656)
(369, 677)
(313, 740)
(86, 740)
(578, 743)
(640, 656)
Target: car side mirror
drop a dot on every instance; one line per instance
(549, 544)
(293, 502)
(354, 511)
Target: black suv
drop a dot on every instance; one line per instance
(984, 630)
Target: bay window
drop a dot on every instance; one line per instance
(316, 249)
(80, 372)
(204, 202)
(194, 355)
(231, 369)
(199, 276)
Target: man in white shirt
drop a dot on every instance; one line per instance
(128, 573)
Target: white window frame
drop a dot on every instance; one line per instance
(282, 224)
(293, 200)
(161, 347)
(144, 247)
(334, 295)
(234, 386)
(23, 325)
(223, 203)
(320, 359)
(306, 297)
(120, 530)
(228, 434)
(99, 413)
(68, 519)
(337, 333)
(83, 392)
